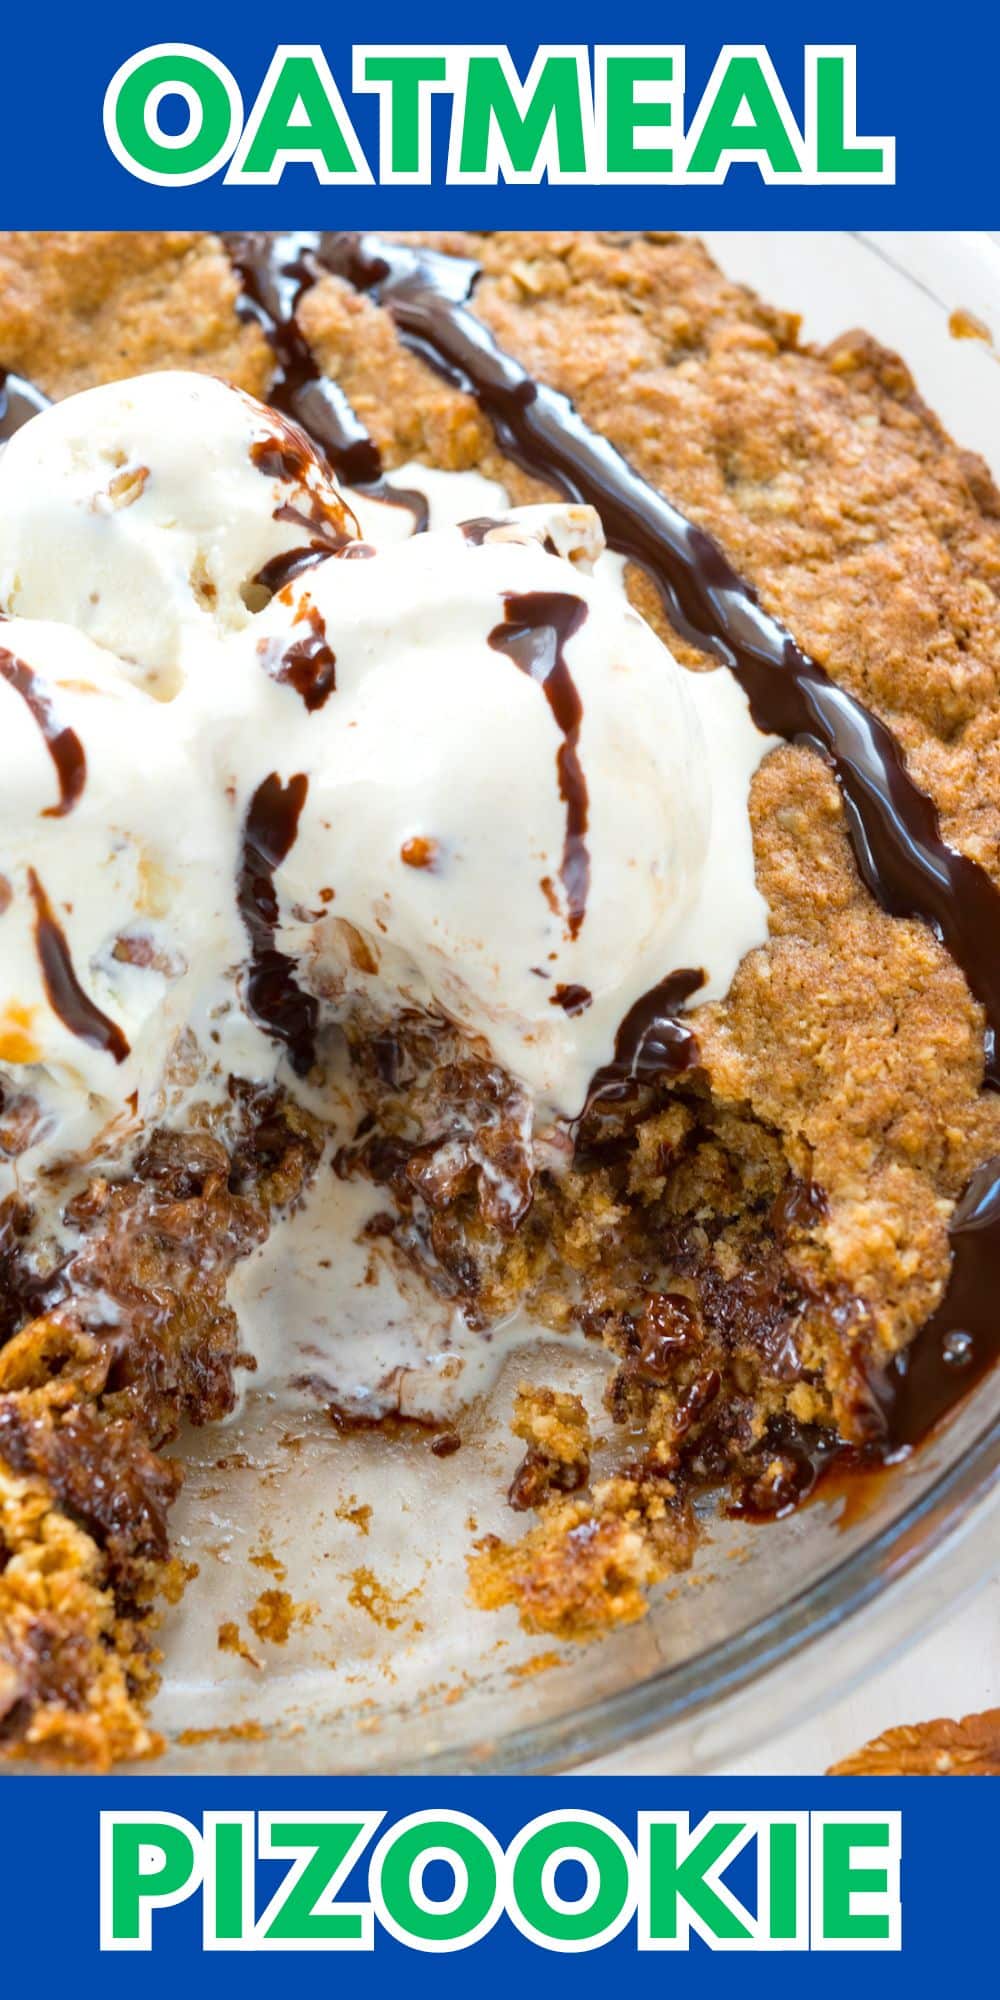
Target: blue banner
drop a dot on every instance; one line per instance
(437, 1883)
(764, 117)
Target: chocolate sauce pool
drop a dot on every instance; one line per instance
(893, 825)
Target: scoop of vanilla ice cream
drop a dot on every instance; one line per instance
(144, 512)
(115, 881)
(511, 804)
(512, 794)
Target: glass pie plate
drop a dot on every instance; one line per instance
(328, 1626)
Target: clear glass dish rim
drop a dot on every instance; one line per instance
(904, 1548)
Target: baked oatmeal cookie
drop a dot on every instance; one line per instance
(752, 1239)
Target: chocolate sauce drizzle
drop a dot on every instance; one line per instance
(652, 1040)
(288, 564)
(19, 400)
(275, 1000)
(571, 998)
(63, 744)
(275, 273)
(307, 664)
(66, 996)
(536, 627)
(283, 452)
(476, 530)
(893, 825)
